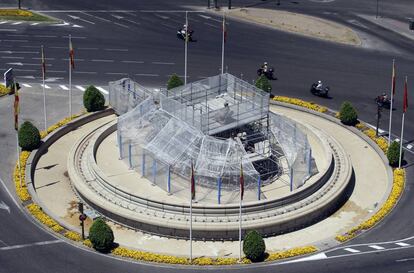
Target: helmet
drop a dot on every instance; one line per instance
(384, 94)
(185, 26)
(319, 82)
(265, 63)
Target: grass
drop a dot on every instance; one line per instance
(24, 15)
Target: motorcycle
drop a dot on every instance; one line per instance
(269, 73)
(381, 102)
(181, 35)
(321, 92)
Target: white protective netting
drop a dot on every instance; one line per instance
(295, 146)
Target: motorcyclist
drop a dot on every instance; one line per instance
(265, 67)
(184, 29)
(319, 85)
(384, 97)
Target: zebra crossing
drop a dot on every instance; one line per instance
(63, 87)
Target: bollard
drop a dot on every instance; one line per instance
(130, 155)
(169, 179)
(291, 179)
(219, 190)
(143, 163)
(259, 185)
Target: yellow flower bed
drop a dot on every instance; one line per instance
(87, 243)
(15, 12)
(381, 142)
(59, 124)
(396, 191)
(45, 219)
(306, 104)
(148, 257)
(72, 235)
(19, 177)
(291, 253)
(3, 90)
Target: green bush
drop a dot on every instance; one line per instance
(93, 100)
(174, 81)
(348, 114)
(101, 236)
(393, 153)
(29, 136)
(263, 83)
(254, 246)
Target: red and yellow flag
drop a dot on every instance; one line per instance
(224, 28)
(71, 54)
(16, 107)
(405, 106)
(241, 181)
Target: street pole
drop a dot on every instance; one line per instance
(185, 50)
(223, 42)
(70, 78)
(401, 140)
(392, 98)
(229, 4)
(376, 14)
(43, 86)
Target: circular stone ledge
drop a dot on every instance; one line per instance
(269, 217)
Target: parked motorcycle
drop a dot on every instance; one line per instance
(321, 92)
(181, 35)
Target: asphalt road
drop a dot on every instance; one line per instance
(126, 38)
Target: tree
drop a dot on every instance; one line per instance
(29, 136)
(101, 236)
(254, 246)
(263, 83)
(174, 81)
(393, 154)
(93, 100)
(348, 114)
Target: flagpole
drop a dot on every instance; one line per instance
(185, 51)
(401, 141)
(44, 92)
(191, 226)
(16, 126)
(240, 228)
(222, 43)
(70, 77)
(392, 98)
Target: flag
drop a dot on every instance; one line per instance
(224, 28)
(43, 64)
(16, 108)
(192, 182)
(393, 78)
(405, 106)
(241, 181)
(71, 54)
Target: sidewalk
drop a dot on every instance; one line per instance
(55, 192)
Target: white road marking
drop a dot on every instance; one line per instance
(116, 49)
(85, 72)
(17, 23)
(4, 206)
(29, 46)
(26, 77)
(63, 87)
(116, 73)
(45, 36)
(47, 59)
(11, 57)
(56, 71)
(23, 64)
(17, 35)
(397, 139)
(162, 63)
(103, 61)
(75, 37)
(46, 86)
(88, 48)
(376, 247)
(318, 256)
(133, 22)
(404, 260)
(80, 88)
(117, 16)
(133, 62)
(80, 19)
(25, 70)
(61, 25)
(77, 26)
(409, 146)
(121, 25)
(351, 250)
(3, 22)
(24, 52)
(148, 75)
(26, 85)
(204, 16)
(29, 245)
(162, 16)
(402, 244)
(58, 47)
(211, 25)
(8, 29)
(16, 41)
(102, 90)
(76, 60)
(100, 18)
(34, 24)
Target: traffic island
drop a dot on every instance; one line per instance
(57, 195)
(24, 15)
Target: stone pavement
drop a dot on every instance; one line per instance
(371, 188)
